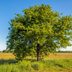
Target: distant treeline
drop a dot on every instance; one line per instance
(64, 51)
(5, 51)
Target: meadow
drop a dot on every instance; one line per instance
(57, 62)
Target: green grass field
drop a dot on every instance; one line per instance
(53, 64)
(61, 65)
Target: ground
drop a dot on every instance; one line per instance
(57, 62)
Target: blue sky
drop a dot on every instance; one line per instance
(8, 9)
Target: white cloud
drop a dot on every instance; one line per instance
(2, 46)
(66, 49)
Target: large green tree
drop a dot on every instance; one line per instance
(38, 31)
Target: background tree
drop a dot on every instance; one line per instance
(38, 31)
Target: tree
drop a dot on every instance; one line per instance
(38, 31)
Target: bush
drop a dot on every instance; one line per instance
(37, 65)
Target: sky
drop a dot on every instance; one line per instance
(9, 8)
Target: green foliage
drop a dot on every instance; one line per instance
(39, 27)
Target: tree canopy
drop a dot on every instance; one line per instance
(37, 31)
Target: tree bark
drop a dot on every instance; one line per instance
(38, 52)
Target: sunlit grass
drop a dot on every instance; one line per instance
(50, 56)
(63, 65)
(58, 62)
(7, 56)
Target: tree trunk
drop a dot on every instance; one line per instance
(38, 52)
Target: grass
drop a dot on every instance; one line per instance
(53, 63)
(61, 65)
(7, 56)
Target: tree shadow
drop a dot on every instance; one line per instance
(9, 61)
(13, 61)
(32, 60)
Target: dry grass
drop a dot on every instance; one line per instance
(60, 56)
(6, 56)
(50, 56)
